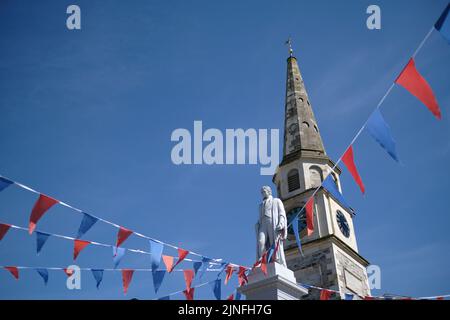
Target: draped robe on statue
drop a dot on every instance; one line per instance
(271, 226)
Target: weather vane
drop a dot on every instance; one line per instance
(289, 43)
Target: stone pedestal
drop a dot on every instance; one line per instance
(278, 284)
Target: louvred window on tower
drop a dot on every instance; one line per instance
(293, 180)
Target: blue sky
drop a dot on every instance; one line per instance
(86, 116)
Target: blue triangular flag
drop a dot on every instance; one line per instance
(118, 254)
(331, 187)
(164, 298)
(158, 276)
(379, 130)
(98, 276)
(443, 24)
(297, 234)
(43, 273)
(4, 183)
(217, 288)
(203, 267)
(41, 238)
(348, 296)
(156, 249)
(270, 253)
(87, 222)
(197, 265)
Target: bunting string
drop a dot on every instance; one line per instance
(102, 244)
(423, 42)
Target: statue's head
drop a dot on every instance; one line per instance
(266, 192)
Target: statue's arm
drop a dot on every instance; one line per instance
(282, 220)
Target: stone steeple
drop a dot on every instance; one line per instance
(301, 136)
(330, 256)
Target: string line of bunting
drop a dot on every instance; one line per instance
(327, 294)
(410, 79)
(198, 267)
(127, 275)
(118, 252)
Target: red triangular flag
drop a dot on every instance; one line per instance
(127, 275)
(275, 251)
(168, 262)
(188, 276)
(229, 273)
(257, 264)
(181, 255)
(369, 298)
(231, 297)
(264, 263)
(349, 162)
(14, 271)
(68, 272)
(122, 235)
(42, 204)
(189, 293)
(440, 298)
(325, 294)
(4, 229)
(78, 246)
(242, 277)
(310, 216)
(412, 80)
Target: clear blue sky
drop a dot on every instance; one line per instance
(86, 116)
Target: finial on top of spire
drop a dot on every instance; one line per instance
(289, 43)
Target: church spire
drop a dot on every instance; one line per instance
(301, 133)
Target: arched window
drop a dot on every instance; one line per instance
(316, 177)
(293, 180)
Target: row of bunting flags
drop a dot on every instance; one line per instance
(156, 249)
(199, 267)
(409, 78)
(158, 276)
(216, 285)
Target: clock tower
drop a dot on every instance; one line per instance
(330, 254)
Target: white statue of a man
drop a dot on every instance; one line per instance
(271, 227)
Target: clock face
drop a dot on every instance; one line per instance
(343, 224)
(301, 219)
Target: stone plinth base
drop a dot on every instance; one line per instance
(278, 284)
